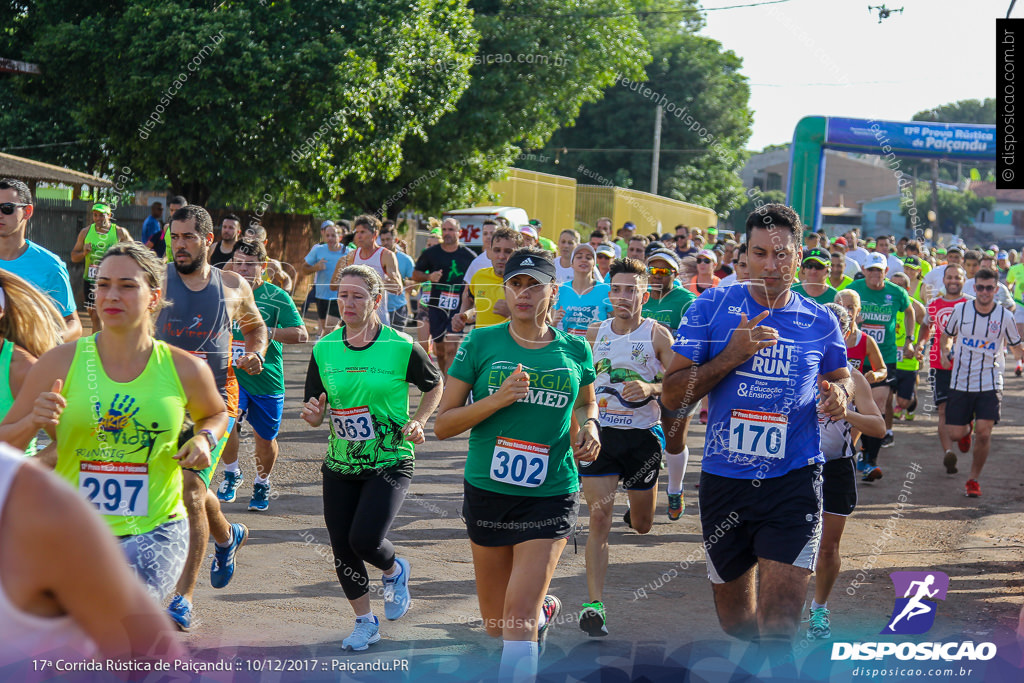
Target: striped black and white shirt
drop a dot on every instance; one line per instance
(978, 349)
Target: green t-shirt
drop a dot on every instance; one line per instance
(879, 310)
(827, 297)
(278, 310)
(1016, 275)
(368, 395)
(843, 284)
(669, 309)
(524, 449)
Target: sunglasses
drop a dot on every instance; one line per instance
(7, 208)
(814, 265)
(682, 237)
(984, 288)
(603, 256)
(659, 272)
(703, 260)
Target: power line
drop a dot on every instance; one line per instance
(646, 13)
(54, 144)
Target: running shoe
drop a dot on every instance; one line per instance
(232, 480)
(973, 489)
(862, 464)
(365, 634)
(964, 444)
(396, 592)
(888, 439)
(909, 416)
(550, 608)
(260, 497)
(593, 619)
(1020, 369)
(180, 610)
(675, 505)
(949, 460)
(897, 415)
(223, 567)
(874, 472)
(820, 627)
(627, 519)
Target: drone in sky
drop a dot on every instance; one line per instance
(884, 12)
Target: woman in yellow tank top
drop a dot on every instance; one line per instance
(114, 404)
(29, 327)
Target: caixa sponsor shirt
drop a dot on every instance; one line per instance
(762, 416)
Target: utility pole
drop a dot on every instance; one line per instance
(935, 197)
(655, 161)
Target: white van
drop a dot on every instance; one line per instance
(472, 220)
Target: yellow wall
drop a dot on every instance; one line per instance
(650, 213)
(551, 199)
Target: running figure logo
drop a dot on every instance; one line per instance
(914, 613)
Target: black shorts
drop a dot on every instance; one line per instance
(440, 322)
(399, 317)
(890, 377)
(633, 455)
(777, 518)
(905, 383)
(495, 520)
(839, 486)
(89, 294)
(939, 379)
(966, 406)
(326, 307)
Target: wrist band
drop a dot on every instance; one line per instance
(596, 422)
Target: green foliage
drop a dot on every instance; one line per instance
(244, 99)
(705, 126)
(738, 217)
(956, 209)
(962, 111)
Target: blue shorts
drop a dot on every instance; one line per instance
(262, 412)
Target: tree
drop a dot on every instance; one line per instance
(537, 64)
(754, 199)
(245, 99)
(706, 119)
(962, 111)
(956, 209)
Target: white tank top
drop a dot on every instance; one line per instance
(835, 437)
(621, 358)
(23, 636)
(374, 262)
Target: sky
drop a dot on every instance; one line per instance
(833, 58)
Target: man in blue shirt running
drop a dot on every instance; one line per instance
(765, 358)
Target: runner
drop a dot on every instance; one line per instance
(583, 299)
(814, 277)
(568, 240)
(99, 610)
(29, 327)
(483, 259)
(260, 397)
(101, 395)
(760, 498)
(941, 371)
(483, 302)
(321, 261)
(369, 462)
(1015, 281)
(978, 330)
(973, 261)
(422, 314)
(848, 267)
(837, 277)
(369, 253)
(204, 301)
(41, 267)
(398, 304)
(705, 278)
(683, 247)
(907, 367)
(90, 246)
(605, 255)
(839, 480)
(883, 246)
(934, 279)
(636, 247)
(630, 353)
(273, 270)
(521, 490)
(667, 305)
(161, 243)
(741, 269)
(862, 350)
(230, 237)
(444, 266)
(151, 229)
(881, 302)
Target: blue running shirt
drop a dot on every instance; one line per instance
(762, 419)
(580, 311)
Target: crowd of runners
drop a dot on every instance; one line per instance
(575, 365)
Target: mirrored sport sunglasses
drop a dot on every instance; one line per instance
(660, 272)
(7, 208)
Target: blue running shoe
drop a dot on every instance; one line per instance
(396, 592)
(365, 634)
(226, 492)
(260, 497)
(223, 567)
(180, 610)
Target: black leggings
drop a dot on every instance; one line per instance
(871, 447)
(358, 514)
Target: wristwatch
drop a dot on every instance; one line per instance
(210, 438)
